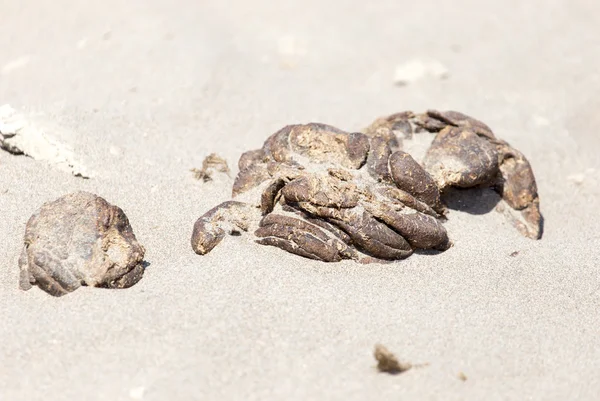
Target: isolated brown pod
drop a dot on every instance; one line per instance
(79, 240)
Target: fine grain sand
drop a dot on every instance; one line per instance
(144, 90)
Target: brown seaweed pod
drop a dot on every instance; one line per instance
(79, 240)
(322, 193)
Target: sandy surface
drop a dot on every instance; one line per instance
(144, 90)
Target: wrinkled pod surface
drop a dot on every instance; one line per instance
(79, 240)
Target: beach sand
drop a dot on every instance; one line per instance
(144, 90)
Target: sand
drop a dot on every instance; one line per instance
(144, 90)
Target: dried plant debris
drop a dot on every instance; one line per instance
(462, 377)
(387, 362)
(212, 164)
(79, 240)
(326, 194)
(22, 137)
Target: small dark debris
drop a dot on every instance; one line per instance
(388, 363)
(211, 164)
(515, 253)
(462, 376)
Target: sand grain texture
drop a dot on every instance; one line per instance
(151, 88)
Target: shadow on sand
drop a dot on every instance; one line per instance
(472, 200)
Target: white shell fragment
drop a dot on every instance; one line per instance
(19, 136)
(416, 69)
(15, 64)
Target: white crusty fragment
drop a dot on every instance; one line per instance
(22, 137)
(15, 64)
(416, 69)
